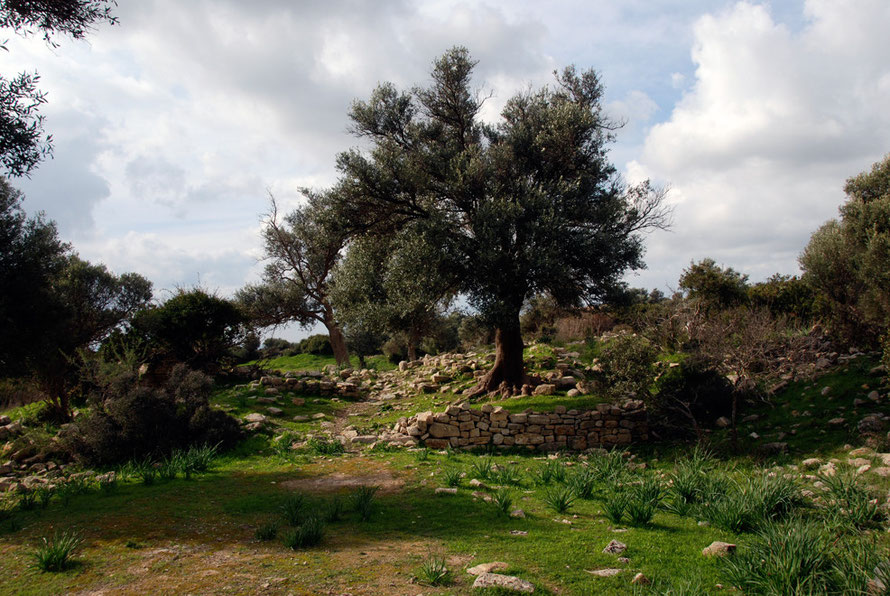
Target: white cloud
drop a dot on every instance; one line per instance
(758, 149)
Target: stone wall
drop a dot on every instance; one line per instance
(462, 426)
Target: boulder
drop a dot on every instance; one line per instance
(505, 582)
(718, 549)
(615, 548)
(488, 568)
(545, 389)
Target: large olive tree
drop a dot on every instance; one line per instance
(525, 206)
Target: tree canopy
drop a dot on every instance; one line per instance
(302, 249)
(525, 206)
(846, 260)
(22, 141)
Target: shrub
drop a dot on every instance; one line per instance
(688, 398)
(508, 476)
(318, 344)
(628, 366)
(333, 511)
(130, 419)
(714, 286)
(54, 554)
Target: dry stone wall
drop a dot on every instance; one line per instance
(462, 426)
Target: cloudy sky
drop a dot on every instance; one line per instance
(171, 128)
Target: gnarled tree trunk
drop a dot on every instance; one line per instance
(338, 342)
(508, 373)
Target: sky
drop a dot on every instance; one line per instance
(172, 128)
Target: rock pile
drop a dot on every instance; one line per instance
(463, 426)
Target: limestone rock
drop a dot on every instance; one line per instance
(718, 549)
(640, 580)
(506, 582)
(488, 568)
(604, 572)
(615, 548)
(723, 422)
(545, 389)
(446, 491)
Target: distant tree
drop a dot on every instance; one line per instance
(527, 206)
(31, 258)
(301, 249)
(714, 286)
(22, 141)
(391, 284)
(194, 327)
(784, 295)
(53, 303)
(846, 260)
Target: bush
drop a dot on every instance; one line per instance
(688, 398)
(714, 286)
(434, 572)
(628, 366)
(363, 501)
(318, 344)
(130, 419)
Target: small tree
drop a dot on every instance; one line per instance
(846, 260)
(714, 286)
(391, 284)
(527, 206)
(302, 249)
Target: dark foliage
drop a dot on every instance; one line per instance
(689, 398)
(129, 419)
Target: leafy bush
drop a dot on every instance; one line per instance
(317, 344)
(688, 398)
(131, 419)
(627, 366)
(714, 286)
(54, 554)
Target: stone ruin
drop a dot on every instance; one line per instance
(461, 426)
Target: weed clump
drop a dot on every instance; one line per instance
(363, 501)
(308, 534)
(54, 554)
(433, 572)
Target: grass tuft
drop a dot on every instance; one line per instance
(363, 501)
(433, 572)
(560, 499)
(54, 554)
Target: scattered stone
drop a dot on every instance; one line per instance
(874, 396)
(811, 462)
(545, 389)
(256, 418)
(604, 572)
(723, 422)
(858, 461)
(837, 421)
(488, 568)
(476, 483)
(301, 418)
(777, 447)
(718, 549)
(507, 582)
(640, 580)
(518, 533)
(520, 514)
(298, 401)
(825, 391)
(615, 548)
(883, 471)
(273, 411)
(862, 452)
(319, 416)
(623, 560)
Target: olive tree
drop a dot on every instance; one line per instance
(391, 284)
(302, 249)
(525, 206)
(846, 260)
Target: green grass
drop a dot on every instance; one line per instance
(316, 362)
(205, 534)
